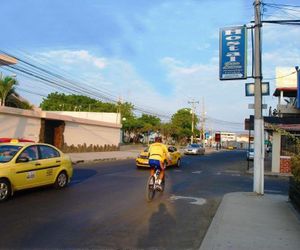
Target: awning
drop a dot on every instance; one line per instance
(287, 92)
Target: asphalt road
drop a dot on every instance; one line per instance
(105, 207)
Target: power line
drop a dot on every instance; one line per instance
(61, 82)
(279, 77)
(58, 81)
(281, 5)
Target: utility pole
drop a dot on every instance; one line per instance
(203, 124)
(193, 117)
(298, 86)
(258, 180)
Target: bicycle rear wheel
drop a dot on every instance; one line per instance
(150, 190)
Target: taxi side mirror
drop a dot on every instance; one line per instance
(23, 159)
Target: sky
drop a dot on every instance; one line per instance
(159, 55)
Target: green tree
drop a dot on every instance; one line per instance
(126, 110)
(149, 123)
(62, 102)
(182, 124)
(169, 131)
(6, 87)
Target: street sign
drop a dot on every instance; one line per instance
(265, 89)
(298, 88)
(233, 53)
(263, 106)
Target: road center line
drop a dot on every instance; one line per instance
(197, 172)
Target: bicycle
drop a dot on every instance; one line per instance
(151, 187)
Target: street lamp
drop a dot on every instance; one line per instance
(123, 119)
(298, 86)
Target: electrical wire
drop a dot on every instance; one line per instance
(58, 81)
(279, 77)
(61, 82)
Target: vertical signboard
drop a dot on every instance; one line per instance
(233, 53)
(249, 89)
(298, 88)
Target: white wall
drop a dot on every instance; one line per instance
(276, 152)
(95, 116)
(14, 126)
(78, 134)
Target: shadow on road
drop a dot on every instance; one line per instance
(80, 175)
(161, 226)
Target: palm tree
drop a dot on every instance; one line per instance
(7, 84)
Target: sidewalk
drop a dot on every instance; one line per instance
(248, 221)
(103, 156)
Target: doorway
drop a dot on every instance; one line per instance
(52, 132)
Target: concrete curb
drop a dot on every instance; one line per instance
(102, 160)
(250, 172)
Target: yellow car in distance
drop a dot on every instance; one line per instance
(27, 165)
(143, 159)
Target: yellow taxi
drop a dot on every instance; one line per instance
(143, 159)
(27, 164)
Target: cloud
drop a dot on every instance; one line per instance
(200, 82)
(76, 57)
(186, 81)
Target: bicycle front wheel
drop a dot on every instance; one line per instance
(150, 189)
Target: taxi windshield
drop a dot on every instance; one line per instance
(7, 152)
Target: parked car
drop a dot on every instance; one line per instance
(250, 154)
(194, 149)
(143, 159)
(27, 164)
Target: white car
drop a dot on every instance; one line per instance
(250, 154)
(194, 149)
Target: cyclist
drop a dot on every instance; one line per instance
(158, 154)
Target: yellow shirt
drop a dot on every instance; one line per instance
(158, 151)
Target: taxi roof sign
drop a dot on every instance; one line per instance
(14, 140)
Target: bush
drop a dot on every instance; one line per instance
(296, 167)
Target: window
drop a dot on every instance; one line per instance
(289, 146)
(7, 152)
(31, 153)
(48, 152)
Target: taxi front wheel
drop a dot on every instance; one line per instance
(5, 190)
(61, 180)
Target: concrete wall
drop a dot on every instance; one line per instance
(276, 152)
(78, 129)
(95, 116)
(78, 134)
(15, 126)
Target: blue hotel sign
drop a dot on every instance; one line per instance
(233, 53)
(298, 88)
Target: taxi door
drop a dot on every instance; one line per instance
(27, 169)
(51, 160)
